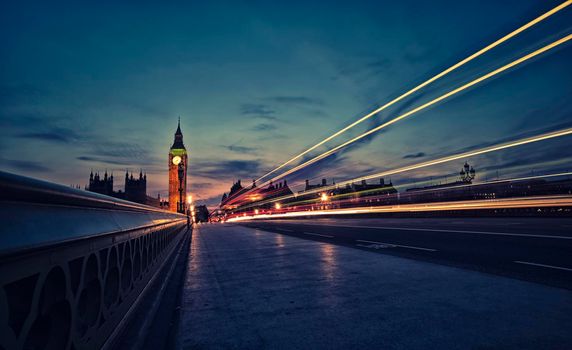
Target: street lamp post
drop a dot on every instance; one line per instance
(181, 173)
(467, 173)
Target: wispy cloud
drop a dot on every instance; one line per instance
(57, 135)
(241, 149)
(296, 100)
(202, 185)
(258, 110)
(123, 150)
(227, 168)
(103, 160)
(414, 155)
(264, 127)
(24, 165)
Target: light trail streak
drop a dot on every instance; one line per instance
(453, 186)
(428, 104)
(517, 179)
(510, 203)
(422, 107)
(446, 159)
(427, 82)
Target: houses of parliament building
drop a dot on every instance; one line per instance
(135, 188)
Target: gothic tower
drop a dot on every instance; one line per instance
(177, 158)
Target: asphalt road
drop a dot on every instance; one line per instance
(533, 249)
(248, 288)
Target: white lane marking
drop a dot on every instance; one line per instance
(543, 265)
(397, 245)
(375, 246)
(317, 234)
(453, 231)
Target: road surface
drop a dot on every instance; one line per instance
(534, 249)
(248, 288)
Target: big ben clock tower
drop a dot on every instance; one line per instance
(177, 172)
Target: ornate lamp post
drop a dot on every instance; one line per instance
(181, 173)
(467, 173)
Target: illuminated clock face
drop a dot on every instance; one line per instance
(176, 160)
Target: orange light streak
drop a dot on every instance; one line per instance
(427, 82)
(464, 155)
(428, 104)
(509, 203)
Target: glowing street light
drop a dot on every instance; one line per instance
(277, 206)
(256, 211)
(324, 197)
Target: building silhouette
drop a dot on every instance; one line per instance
(135, 189)
(102, 185)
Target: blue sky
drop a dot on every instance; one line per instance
(100, 85)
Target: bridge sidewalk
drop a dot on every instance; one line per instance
(246, 288)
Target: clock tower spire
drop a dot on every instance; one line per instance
(178, 172)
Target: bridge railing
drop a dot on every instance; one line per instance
(73, 263)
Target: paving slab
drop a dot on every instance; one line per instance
(251, 289)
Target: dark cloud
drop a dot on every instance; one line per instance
(201, 185)
(124, 150)
(102, 160)
(24, 165)
(226, 168)
(414, 155)
(241, 149)
(296, 100)
(57, 135)
(31, 121)
(264, 127)
(257, 110)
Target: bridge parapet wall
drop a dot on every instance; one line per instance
(71, 271)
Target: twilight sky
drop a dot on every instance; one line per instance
(100, 85)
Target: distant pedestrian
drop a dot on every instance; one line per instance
(188, 222)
